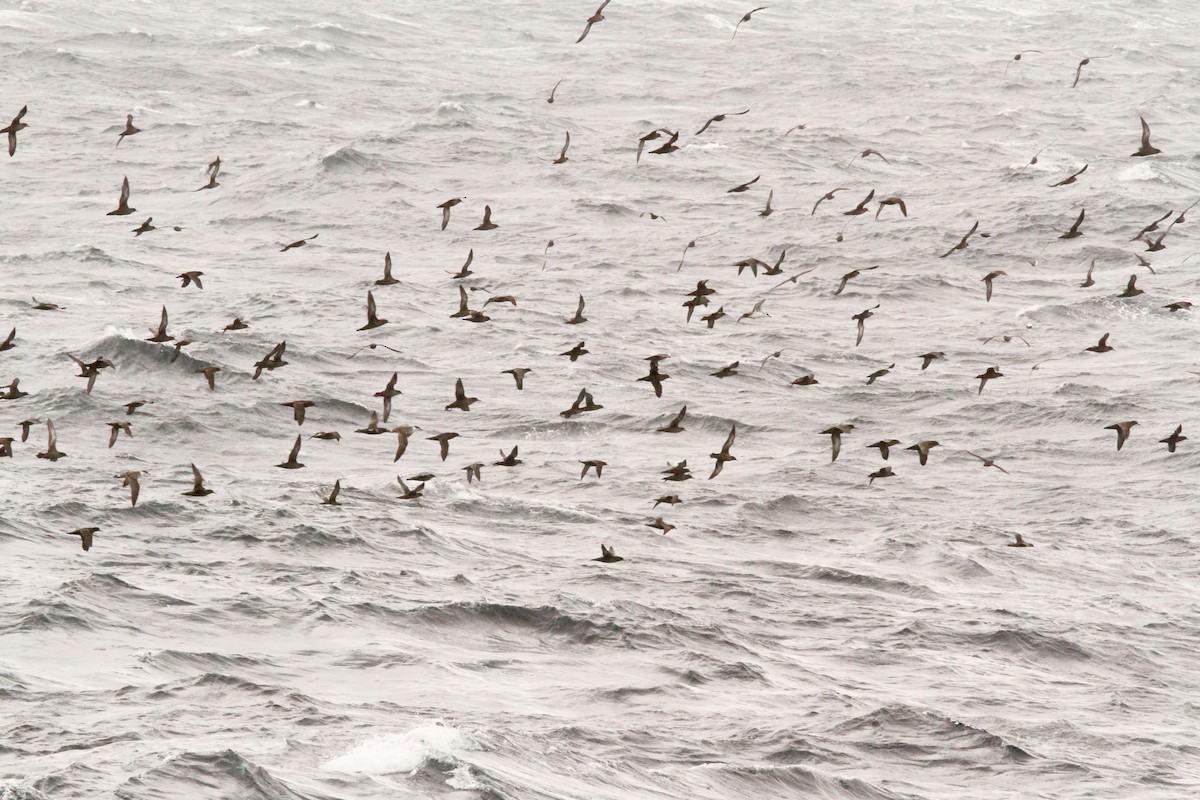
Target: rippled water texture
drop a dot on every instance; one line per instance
(800, 632)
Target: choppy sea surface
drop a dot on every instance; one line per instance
(801, 632)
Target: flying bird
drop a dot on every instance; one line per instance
(1123, 429)
(445, 207)
(592, 20)
(122, 208)
(373, 321)
(130, 130)
(11, 129)
(721, 118)
(990, 374)
(746, 18)
(1146, 149)
(562, 157)
(198, 488)
(298, 243)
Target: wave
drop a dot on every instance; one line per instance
(223, 774)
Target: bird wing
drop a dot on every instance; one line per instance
(567, 144)
(1145, 133)
(197, 479)
(729, 440)
(53, 437)
(370, 306)
(459, 393)
(579, 310)
(295, 449)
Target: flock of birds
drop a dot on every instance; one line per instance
(699, 298)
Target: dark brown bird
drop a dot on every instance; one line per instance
(988, 462)
(882, 472)
(669, 499)
(145, 227)
(767, 210)
(116, 428)
(11, 129)
(891, 201)
(1123, 429)
(991, 373)
(373, 321)
(461, 401)
(583, 403)
(373, 427)
(130, 130)
(987, 281)
(828, 196)
(861, 208)
(52, 452)
(562, 157)
(443, 440)
(130, 480)
(923, 449)
(25, 425)
(1087, 281)
(1101, 347)
(1174, 439)
(655, 378)
(1017, 57)
(592, 20)
(445, 207)
(271, 361)
(928, 358)
(721, 118)
(7, 344)
(1079, 69)
(963, 242)
(509, 460)
(198, 488)
(1146, 149)
(402, 433)
(85, 534)
(607, 555)
(189, 278)
(727, 371)
(885, 446)
(212, 170)
(291, 462)
(1179, 306)
(474, 472)
(879, 373)
(1131, 289)
(407, 493)
(236, 325)
(835, 434)
(661, 524)
(332, 499)
(329, 436)
(576, 352)
(851, 275)
(667, 147)
(298, 243)
(862, 318)
(518, 374)
(1017, 540)
(743, 186)
(711, 319)
(1074, 231)
(123, 208)
(579, 318)
(210, 375)
(14, 393)
(387, 393)
(549, 99)
(487, 224)
(806, 380)
(298, 407)
(160, 334)
(746, 18)
(676, 423)
(1070, 178)
(869, 152)
(724, 455)
(387, 279)
(657, 133)
(592, 463)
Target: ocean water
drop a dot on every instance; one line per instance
(801, 631)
